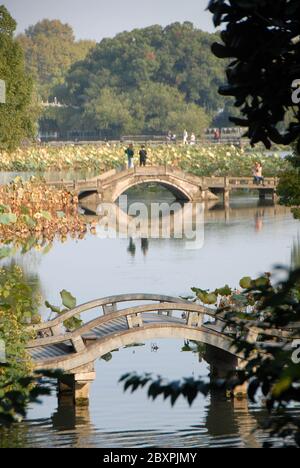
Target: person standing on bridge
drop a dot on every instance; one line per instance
(130, 155)
(258, 174)
(143, 156)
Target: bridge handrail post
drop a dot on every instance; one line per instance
(56, 330)
(99, 185)
(220, 325)
(78, 344)
(194, 319)
(110, 308)
(227, 183)
(134, 321)
(252, 335)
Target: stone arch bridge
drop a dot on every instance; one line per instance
(110, 186)
(116, 325)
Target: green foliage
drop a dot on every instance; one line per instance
(69, 303)
(216, 160)
(14, 403)
(163, 108)
(8, 218)
(149, 80)
(31, 216)
(212, 297)
(189, 388)
(246, 282)
(194, 347)
(205, 296)
(19, 303)
(50, 49)
(258, 37)
(19, 114)
(270, 370)
(289, 188)
(67, 299)
(289, 185)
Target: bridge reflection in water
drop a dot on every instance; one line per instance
(224, 419)
(177, 221)
(76, 421)
(220, 423)
(225, 422)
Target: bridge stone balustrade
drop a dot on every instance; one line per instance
(165, 317)
(110, 186)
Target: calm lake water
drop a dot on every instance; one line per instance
(247, 239)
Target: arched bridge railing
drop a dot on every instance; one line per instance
(107, 305)
(117, 328)
(165, 317)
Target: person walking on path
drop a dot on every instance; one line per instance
(143, 156)
(130, 154)
(185, 137)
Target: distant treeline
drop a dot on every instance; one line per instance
(147, 81)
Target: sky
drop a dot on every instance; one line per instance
(96, 19)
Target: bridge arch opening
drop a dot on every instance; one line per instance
(206, 359)
(157, 190)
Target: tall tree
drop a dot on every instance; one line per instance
(178, 55)
(158, 79)
(18, 115)
(50, 49)
(262, 40)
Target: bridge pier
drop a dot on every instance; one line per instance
(90, 198)
(76, 387)
(262, 194)
(222, 365)
(68, 416)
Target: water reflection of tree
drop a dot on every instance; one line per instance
(194, 347)
(14, 437)
(32, 280)
(295, 254)
(19, 306)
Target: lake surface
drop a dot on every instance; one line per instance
(247, 239)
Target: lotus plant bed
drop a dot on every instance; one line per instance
(216, 160)
(33, 215)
